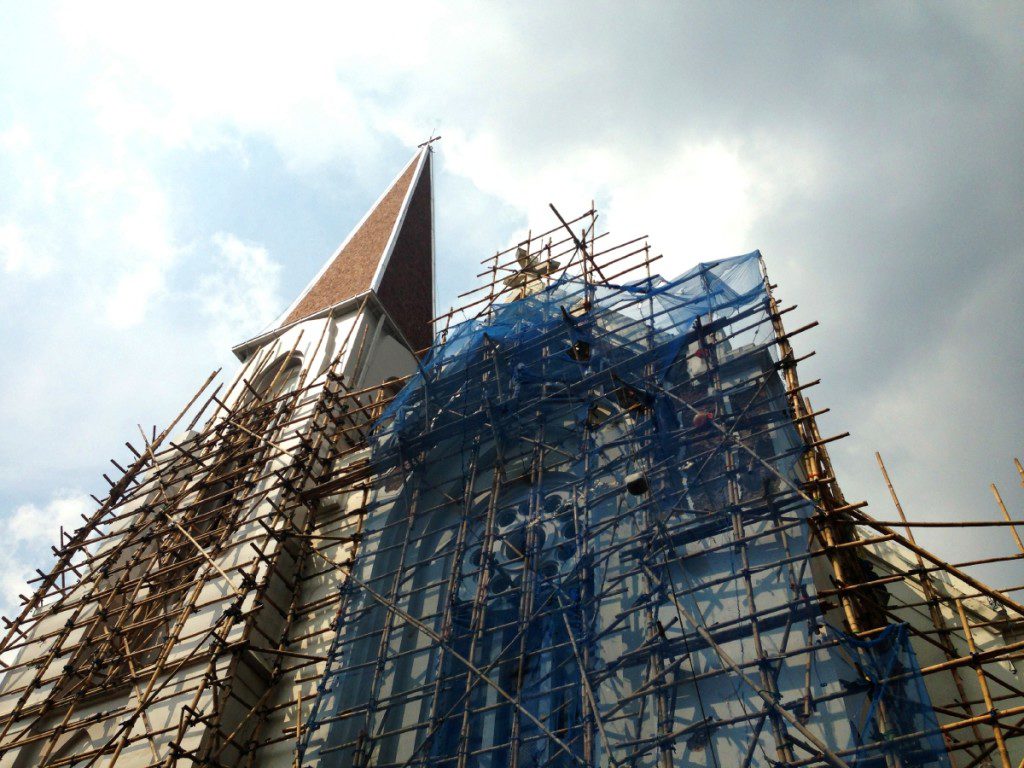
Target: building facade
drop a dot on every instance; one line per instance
(593, 523)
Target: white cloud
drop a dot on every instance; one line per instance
(17, 256)
(29, 532)
(32, 524)
(296, 77)
(240, 295)
(700, 204)
(35, 173)
(119, 222)
(16, 138)
(322, 85)
(102, 221)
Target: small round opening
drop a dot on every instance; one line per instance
(515, 543)
(549, 569)
(552, 503)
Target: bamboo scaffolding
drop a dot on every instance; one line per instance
(245, 502)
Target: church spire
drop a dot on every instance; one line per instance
(390, 252)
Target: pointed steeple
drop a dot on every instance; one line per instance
(390, 252)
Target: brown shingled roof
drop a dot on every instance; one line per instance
(351, 271)
(406, 287)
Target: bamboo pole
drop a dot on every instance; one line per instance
(823, 751)
(997, 732)
(476, 671)
(1006, 515)
(931, 596)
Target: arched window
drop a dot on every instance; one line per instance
(280, 377)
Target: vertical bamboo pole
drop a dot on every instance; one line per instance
(997, 732)
(800, 412)
(934, 611)
(298, 725)
(479, 609)
(783, 750)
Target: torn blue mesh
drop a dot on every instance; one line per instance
(587, 544)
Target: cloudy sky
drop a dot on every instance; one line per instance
(170, 180)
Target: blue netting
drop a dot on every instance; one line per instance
(895, 718)
(573, 495)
